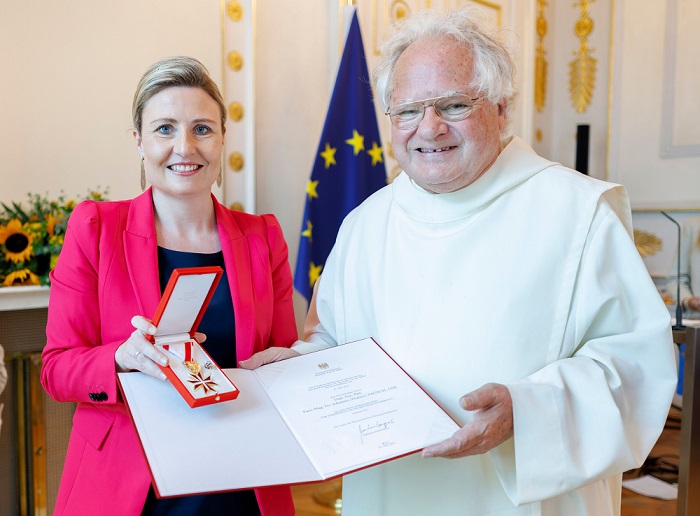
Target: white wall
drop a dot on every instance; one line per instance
(295, 73)
(655, 55)
(69, 71)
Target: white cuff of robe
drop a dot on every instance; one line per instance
(515, 475)
(305, 347)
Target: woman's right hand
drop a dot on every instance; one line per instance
(138, 354)
(693, 304)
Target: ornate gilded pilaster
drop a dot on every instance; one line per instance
(582, 69)
(540, 61)
(238, 90)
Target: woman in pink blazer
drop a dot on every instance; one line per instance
(108, 281)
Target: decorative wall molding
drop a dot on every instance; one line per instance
(640, 113)
(669, 149)
(582, 70)
(647, 243)
(540, 61)
(238, 89)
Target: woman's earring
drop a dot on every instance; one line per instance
(143, 176)
(220, 178)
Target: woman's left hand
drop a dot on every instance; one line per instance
(491, 426)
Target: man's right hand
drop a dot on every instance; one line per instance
(266, 357)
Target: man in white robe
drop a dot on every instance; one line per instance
(507, 286)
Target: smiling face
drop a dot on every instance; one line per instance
(443, 156)
(181, 140)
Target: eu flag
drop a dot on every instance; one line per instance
(349, 164)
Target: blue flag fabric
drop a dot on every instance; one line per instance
(349, 164)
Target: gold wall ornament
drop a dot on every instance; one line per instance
(236, 206)
(582, 69)
(387, 14)
(235, 60)
(235, 161)
(399, 10)
(234, 10)
(540, 61)
(235, 111)
(647, 243)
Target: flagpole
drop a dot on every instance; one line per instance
(349, 163)
(347, 7)
(348, 11)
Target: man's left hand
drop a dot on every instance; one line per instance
(491, 426)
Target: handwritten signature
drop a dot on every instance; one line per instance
(372, 428)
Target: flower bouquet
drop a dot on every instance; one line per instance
(31, 237)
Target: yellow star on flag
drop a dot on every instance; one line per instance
(357, 142)
(329, 155)
(311, 189)
(314, 273)
(376, 153)
(307, 231)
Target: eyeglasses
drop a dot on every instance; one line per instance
(451, 108)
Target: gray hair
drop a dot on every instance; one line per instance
(172, 72)
(494, 68)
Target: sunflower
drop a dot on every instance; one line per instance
(51, 222)
(17, 241)
(96, 196)
(56, 240)
(21, 277)
(31, 237)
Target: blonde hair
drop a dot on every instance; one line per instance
(172, 72)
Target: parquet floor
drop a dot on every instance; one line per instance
(305, 496)
(668, 444)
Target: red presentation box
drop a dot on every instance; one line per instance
(198, 379)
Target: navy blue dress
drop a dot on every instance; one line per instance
(219, 327)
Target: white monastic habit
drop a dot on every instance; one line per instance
(528, 277)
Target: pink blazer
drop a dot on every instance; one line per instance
(107, 273)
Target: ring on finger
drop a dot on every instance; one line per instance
(136, 356)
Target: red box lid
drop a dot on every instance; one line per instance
(185, 300)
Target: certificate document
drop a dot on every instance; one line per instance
(306, 419)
